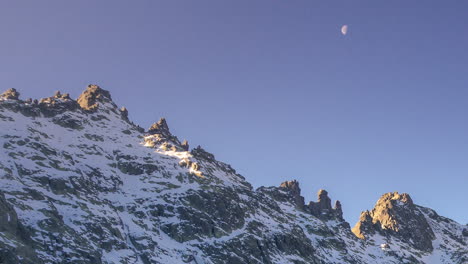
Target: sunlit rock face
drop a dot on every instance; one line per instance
(10, 94)
(395, 214)
(80, 183)
(159, 136)
(89, 100)
(160, 127)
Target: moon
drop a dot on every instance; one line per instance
(344, 29)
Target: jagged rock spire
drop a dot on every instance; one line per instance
(185, 145)
(160, 127)
(324, 201)
(160, 136)
(323, 204)
(90, 98)
(293, 188)
(395, 214)
(124, 113)
(338, 210)
(11, 94)
(323, 209)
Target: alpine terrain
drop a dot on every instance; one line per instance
(81, 183)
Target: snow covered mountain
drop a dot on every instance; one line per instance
(80, 183)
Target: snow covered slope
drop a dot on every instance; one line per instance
(80, 183)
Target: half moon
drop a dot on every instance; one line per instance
(344, 29)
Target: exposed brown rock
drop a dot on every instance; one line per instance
(90, 98)
(323, 209)
(160, 127)
(322, 206)
(364, 226)
(11, 94)
(159, 136)
(395, 214)
(293, 188)
(58, 103)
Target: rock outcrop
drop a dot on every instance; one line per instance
(293, 188)
(396, 215)
(159, 136)
(323, 209)
(10, 94)
(185, 145)
(56, 104)
(89, 100)
(202, 153)
(338, 210)
(160, 127)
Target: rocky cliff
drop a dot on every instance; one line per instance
(80, 183)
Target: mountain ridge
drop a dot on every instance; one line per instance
(65, 161)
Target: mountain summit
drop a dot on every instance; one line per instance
(80, 183)
(89, 100)
(396, 215)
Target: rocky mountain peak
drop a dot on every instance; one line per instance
(395, 214)
(159, 136)
(160, 127)
(11, 94)
(93, 95)
(293, 188)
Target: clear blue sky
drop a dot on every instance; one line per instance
(272, 87)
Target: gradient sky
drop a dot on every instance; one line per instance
(272, 87)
